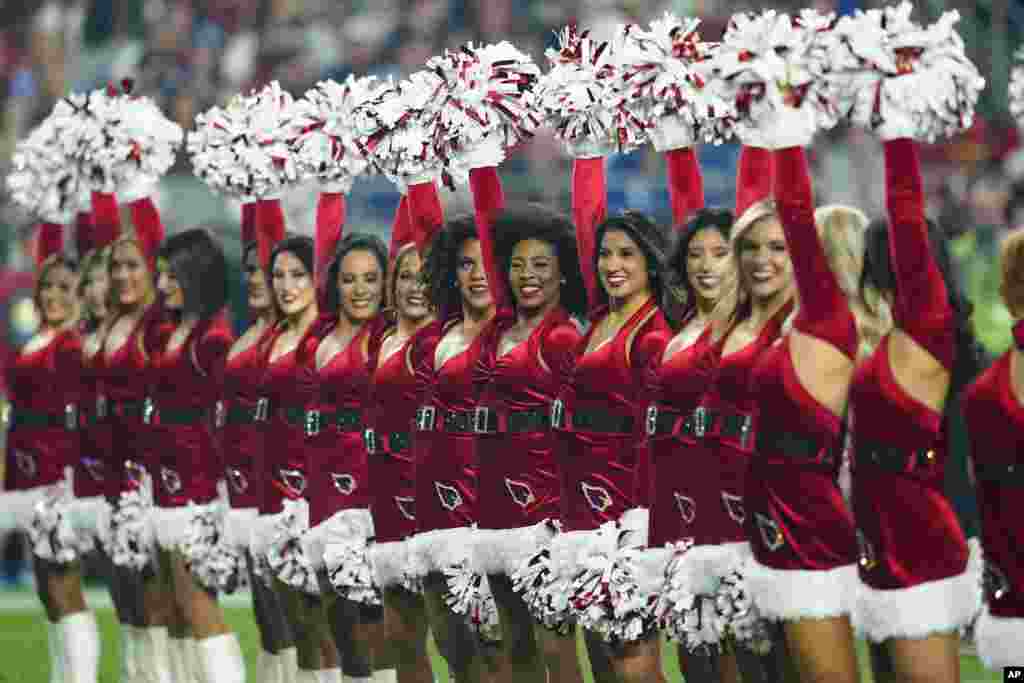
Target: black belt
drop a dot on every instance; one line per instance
(591, 420)
(239, 414)
(735, 426)
(1005, 474)
(795, 446)
(459, 421)
(491, 421)
(345, 420)
(30, 419)
(176, 416)
(893, 458)
(696, 423)
(128, 409)
(391, 442)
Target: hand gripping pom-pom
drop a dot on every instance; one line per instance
(663, 79)
(52, 534)
(904, 80)
(577, 99)
(211, 561)
(244, 150)
(285, 558)
(130, 538)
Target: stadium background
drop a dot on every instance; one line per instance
(192, 54)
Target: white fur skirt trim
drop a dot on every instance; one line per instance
(943, 606)
(285, 557)
(343, 548)
(216, 564)
(391, 566)
(239, 524)
(791, 594)
(19, 507)
(1000, 640)
(65, 528)
(129, 537)
(262, 533)
(502, 551)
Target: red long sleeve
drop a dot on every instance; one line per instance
(922, 307)
(488, 201)
(824, 311)
(589, 210)
(685, 185)
(425, 213)
(753, 177)
(401, 229)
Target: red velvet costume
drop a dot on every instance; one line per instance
(796, 516)
(187, 383)
(336, 455)
(45, 390)
(91, 466)
(245, 414)
(604, 406)
(910, 535)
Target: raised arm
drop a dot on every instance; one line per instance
(488, 201)
(754, 175)
(589, 210)
(685, 185)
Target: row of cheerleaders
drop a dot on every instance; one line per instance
(514, 425)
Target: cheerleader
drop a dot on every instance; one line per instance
(446, 468)
(188, 376)
(244, 413)
(995, 416)
(603, 405)
(42, 445)
(523, 367)
(289, 387)
(390, 408)
(920, 580)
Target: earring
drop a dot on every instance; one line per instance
(564, 281)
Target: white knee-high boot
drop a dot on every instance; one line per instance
(177, 655)
(288, 661)
(157, 662)
(195, 665)
(56, 654)
(80, 645)
(221, 658)
(268, 667)
(331, 676)
(130, 654)
(385, 676)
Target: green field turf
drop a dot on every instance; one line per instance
(23, 656)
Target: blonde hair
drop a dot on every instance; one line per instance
(1011, 265)
(842, 230)
(129, 239)
(758, 212)
(52, 262)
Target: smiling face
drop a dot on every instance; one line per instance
(535, 276)
(709, 265)
(257, 291)
(472, 278)
(56, 297)
(129, 275)
(293, 285)
(169, 287)
(764, 260)
(410, 297)
(94, 291)
(622, 267)
(360, 285)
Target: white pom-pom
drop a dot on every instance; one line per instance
(576, 98)
(772, 60)
(244, 149)
(126, 141)
(45, 181)
(469, 595)
(904, 80)
(663, 78)
(130, 538)
(323, 131)
(284, 555)
(212, 562)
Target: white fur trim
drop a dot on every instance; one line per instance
(432, 551)
(354, 525)
(502, 551)
(170, 525)
(341, 548)
(391, 566)
(1000, 640)
(21, 505)
(800, 594)
(238, 527)
(635, 522)
(942, 606)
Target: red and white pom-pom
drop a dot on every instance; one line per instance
(665, 73)
(129, 143)
(208, 557)
(243, 150)
(487, 92)
(1016, 89)
(771, 59)
(904, 78)
(576, 98)
(130, 542)
(44, 180)
(323, 135)
(469, 594)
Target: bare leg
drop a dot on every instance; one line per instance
(823, 650)
(458, 645)
(406, 623)
(935, 659)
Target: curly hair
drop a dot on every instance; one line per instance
(442, 264)
(536, 222)
(652, 242)
(357, 241)
(682, 298)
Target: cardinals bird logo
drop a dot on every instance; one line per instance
(687, 507)
(237, 480)
(294, 481)
(406, 505)
(996, 583)
(26, 464)
(449, 495)
(345, 483)
(171, 480)
(770, 533)
(597, 497)
(521, 492)
(134, 472)
(734, 506)
(94, 468)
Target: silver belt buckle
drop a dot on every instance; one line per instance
(745, 431)
(652, 419)
(370, 439)
(148, 409)
(425, 417)
(71, 417)
(101, 406)
(312, 422)
(557, 414)
(220, 415)
(480, 415)
(262, 411)
(700, 421)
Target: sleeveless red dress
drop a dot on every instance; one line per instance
(518, 478)
(187, 383)
(245, 416)
(909, 533)
(602, 426)
(45, 390)
(91, 466)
